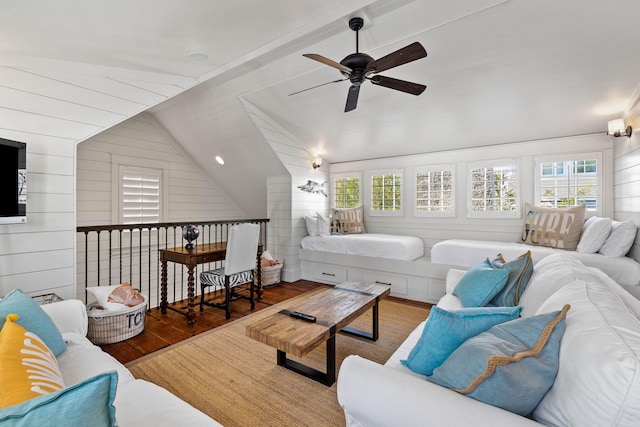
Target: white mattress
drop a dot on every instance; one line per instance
(467, 253)
(405, 248)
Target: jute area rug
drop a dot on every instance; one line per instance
(236, 380)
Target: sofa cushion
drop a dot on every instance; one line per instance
(28, 368)
(594, 233)
(480, 284)
(555, 228)
(445, 331)
(347, 220)
(87, 404)
(511, 366)
(622, 236)
(520, 271)
(33, 319)
(599, 378)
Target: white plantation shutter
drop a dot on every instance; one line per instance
(140, 201)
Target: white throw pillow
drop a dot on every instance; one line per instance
(622, 236)
(323, 225)
(312, 225)
(101, 294)
(594, 233)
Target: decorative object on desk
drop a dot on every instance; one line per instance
(314, 187)
(190, 233)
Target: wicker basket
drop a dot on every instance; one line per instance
(271, 274)
(106, 327)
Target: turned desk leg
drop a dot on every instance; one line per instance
(163, 287)
(191, 314)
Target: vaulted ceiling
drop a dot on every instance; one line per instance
(497, 71)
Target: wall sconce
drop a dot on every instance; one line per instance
(317, 162)
(616, 128)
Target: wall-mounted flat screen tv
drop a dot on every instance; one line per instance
(13, 181)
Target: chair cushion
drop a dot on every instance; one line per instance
(480, 284)
(511, 366)
(445, 331)
(216, 278)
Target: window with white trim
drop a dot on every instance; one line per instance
(346, 190)
(565, 181)
(386, 192)
(434, 195)
(140, 198)
(493, 190)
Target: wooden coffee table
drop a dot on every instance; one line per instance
(334, 309)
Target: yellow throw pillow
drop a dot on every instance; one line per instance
(28, 368)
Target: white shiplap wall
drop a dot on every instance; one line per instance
(433, 230)
(190, 195)
(286, 203)
(52, 105)
(626, 188)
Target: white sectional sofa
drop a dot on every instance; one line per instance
(137, 402)
(598, 381)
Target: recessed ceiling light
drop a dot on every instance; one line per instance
(219, 160)
(198, 57)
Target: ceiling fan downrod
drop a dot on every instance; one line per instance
(356, 24)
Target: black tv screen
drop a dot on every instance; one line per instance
(13, 181)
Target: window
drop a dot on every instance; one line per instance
(346, 191)
(140, 195)
(386, 192)
(434, 191)
(576, 185)
(494, 190)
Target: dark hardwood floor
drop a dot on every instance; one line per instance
(163, 330)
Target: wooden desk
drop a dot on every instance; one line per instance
(201, 254)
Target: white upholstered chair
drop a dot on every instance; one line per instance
(240, 261)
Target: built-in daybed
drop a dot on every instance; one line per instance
(346, 251)
(598, 242)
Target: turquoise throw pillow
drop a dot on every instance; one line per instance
(511, 366)
(446, 330)
(520, 271)
(33, 319)
(480, 284)
(89, 403)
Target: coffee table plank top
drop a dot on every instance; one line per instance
(334, 308)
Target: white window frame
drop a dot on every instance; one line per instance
(428, 169)
(395, 171)
(518, 187)
(344, 175)
(118, 163)
(566, 157)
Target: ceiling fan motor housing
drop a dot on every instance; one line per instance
(358, 63)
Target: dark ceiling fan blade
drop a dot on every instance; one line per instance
(328, 62)
(313, 87)
(352, 98)
(401, 85)
(399, 57)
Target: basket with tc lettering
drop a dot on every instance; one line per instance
(107, 327)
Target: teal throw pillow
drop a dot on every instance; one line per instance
(480, 284)
(511, 366)
(33, 319)
(520, 271)
(445, 331)
(89, 403)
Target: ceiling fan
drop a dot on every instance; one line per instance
(358, 67)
